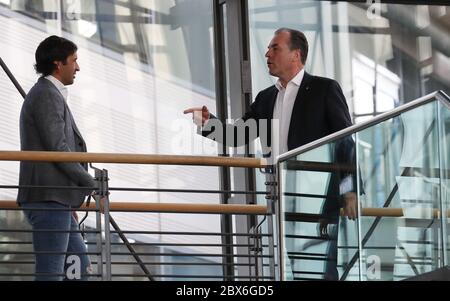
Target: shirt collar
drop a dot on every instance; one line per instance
(59, 85)
(297, 80)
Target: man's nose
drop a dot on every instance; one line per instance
(77, 67)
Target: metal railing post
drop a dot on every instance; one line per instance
(107, 225)
(99, 240)
(103, 193)
(271, 209)
(253, 250)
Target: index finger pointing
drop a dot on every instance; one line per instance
(191, 110)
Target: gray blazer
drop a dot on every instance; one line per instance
(46, 124)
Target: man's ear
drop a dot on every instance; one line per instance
(298, 54)
(295, 56)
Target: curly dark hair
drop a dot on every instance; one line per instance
(52, 49)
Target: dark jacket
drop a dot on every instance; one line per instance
(319, 110)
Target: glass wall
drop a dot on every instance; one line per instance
(383, 55)
(142, 63)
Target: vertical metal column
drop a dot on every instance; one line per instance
(98, 220)
(240, 98)
(221, 104)
(272, 187)
(235, 55)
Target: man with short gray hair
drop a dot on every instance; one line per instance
(306, 107)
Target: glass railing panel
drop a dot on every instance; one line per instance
(398, 161)
(396, 169)
(378, 151)
(312, 187)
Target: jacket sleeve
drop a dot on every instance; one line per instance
(244, 130)
(337, 114)
(48, 114)
(343, 178)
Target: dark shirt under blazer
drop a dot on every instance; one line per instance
(46, 124)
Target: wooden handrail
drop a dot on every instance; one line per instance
(131, 159)
(372, 212)
(395, 212)
(320, 166)
(169, 207)
(385, 212)
(215, 209)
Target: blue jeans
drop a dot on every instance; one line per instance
(54, 261)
